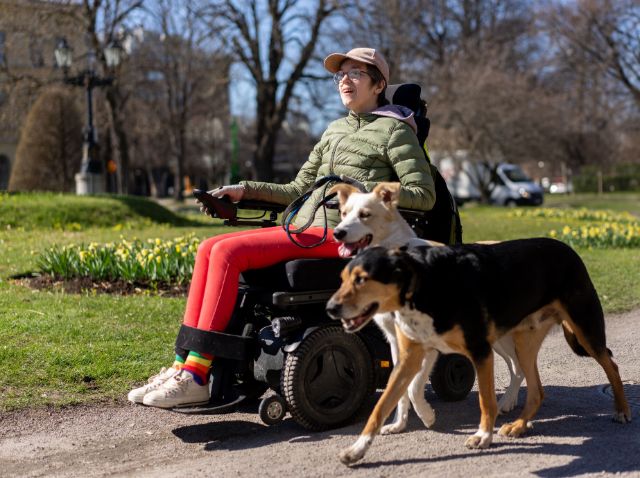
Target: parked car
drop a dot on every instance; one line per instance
(512, 187)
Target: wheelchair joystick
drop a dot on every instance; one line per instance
(221, 208)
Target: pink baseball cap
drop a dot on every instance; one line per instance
(365, 55)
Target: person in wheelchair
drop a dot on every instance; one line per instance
(375, 142)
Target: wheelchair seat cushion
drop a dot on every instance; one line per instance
(272, 278)
(315, 274)
(297, 275)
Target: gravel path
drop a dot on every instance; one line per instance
(573, 434)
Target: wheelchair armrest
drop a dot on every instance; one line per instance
(261, 206)
(410, 214)
(251, 205)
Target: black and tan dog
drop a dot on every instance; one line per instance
(462, 299)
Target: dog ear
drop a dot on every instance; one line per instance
(404, 274)
(343, 191)
(388, 192)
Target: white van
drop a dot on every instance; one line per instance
(512, 187)
(508, 183)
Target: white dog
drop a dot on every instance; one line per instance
(372, 219)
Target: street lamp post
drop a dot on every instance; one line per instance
(89, 180)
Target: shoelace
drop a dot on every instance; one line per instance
(162, 370)
(175, 384)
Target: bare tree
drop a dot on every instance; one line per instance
(188, 64)
(276, 61)
(607, 32)
(104, 22)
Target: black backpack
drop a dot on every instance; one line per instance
(442, 223)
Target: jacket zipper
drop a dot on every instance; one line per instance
(335, 147)
(333, 153)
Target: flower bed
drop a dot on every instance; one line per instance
(605, 229)
(151, 262)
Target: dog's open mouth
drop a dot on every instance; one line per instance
(348, 249)
(356, 323)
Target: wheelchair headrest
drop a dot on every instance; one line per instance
(406, 94)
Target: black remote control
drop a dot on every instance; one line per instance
(217, 207)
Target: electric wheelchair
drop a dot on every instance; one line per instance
(281, 339)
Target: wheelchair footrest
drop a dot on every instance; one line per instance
(214, 407)
(236, 347)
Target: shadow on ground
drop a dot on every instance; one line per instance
(567, 412)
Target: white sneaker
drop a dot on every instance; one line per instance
(137, 394)
(181, 390)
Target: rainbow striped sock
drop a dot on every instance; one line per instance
(178, 363)
(197, 364)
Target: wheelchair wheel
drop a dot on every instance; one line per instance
(272, 409)
(328, 380)
(452, 377)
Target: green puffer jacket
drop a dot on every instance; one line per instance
(365, 147)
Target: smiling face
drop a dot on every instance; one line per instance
(365, 218)
(360, 96)
(370, 284)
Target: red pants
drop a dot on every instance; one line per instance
(221, 259)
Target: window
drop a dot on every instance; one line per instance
(35, 53)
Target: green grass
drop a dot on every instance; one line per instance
(59, 349)
(63, 349)
(629, 202)
(30, 211)
(615, 272)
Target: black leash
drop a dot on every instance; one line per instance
(292, 209)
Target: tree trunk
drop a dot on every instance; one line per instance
(121, 145)
(264, 155)
(178, 188)
(267, 128)
(179, 115)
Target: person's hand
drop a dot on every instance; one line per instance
(234, 192)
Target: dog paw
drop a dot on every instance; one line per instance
(622, 417)
(392, 428)
(515, 429)
(355, 452)
(479, 440)
(507, 403)
(428, 416)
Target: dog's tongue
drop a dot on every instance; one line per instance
(346, 250)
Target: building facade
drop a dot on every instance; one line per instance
(29, 33)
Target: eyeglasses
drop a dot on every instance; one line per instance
(353, 75)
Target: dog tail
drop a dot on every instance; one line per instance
(572, 340)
